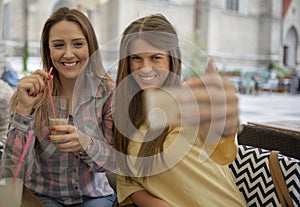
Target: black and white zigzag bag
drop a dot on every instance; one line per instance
(252, 176)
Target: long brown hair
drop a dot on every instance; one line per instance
(72, 15)
(129, 113)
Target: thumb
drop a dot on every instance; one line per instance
(210, 68)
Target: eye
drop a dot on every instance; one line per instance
(135, 58)
(78, 44)
(157, 57)
(58, 45)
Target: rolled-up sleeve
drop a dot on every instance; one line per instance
(17, 136)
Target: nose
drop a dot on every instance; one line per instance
(69, 52)
(146, 69)
(146, 66)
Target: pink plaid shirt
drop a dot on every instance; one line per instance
(68, 177)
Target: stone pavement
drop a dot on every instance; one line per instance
(269, 107)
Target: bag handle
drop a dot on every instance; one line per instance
(279, 181)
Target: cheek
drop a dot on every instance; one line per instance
(86, 53)
(133, 66)
(54, 55)
(164, 73)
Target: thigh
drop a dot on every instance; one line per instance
(106, 201)
(48, 202)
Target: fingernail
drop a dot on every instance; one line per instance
(35, 95)
(53, 129)
(49, 137)
(42, 91)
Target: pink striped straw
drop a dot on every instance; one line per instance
(28, 139)
(50, 94)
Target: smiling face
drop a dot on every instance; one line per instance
(68, 49)
(149, 66)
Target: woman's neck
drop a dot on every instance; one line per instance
(67, 87)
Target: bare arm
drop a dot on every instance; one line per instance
(143, 198)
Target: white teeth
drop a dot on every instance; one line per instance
(70, 64)
(147, 78)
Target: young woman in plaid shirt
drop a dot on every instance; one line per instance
(69, 172)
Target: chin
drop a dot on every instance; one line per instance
(149, 87)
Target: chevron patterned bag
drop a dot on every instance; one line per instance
(252, 176)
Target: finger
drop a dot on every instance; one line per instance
(209, 113)
(209, 95)
(31, 84)
(209, 80)
(217, 113)
(69, 133)
(58, 136)
(210, 68)
(25, 87)
(70, 146)
(37, 85)
(68, 129)
(42, 73)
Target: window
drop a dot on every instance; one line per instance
(238, 6)
(232, 5)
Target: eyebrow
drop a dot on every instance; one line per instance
(77, 39)
(137, 54)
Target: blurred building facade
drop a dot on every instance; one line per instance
(239, 34)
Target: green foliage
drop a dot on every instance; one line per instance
(281, 72)
(235, 72)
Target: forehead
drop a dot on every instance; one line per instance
(139, 46)
(65, 29)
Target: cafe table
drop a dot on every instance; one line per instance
(281, 135)
(290, 126)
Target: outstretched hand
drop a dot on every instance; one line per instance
(217, 104)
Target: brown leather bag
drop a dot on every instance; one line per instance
(279, 181)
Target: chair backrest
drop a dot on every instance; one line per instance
(252, 176)
(285, 142)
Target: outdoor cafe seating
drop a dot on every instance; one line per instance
(252, 168)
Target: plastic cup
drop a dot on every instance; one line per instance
(10, 191)
(60, 114)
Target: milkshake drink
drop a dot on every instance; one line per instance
(11, 193)
(55, 122)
